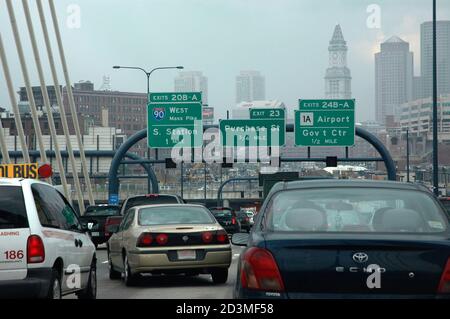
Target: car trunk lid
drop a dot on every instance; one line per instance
(402, 265)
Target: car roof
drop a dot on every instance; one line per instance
(148, 195)
(327, 183)
(11, 181)
(168, 205)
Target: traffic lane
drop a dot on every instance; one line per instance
(164, 287)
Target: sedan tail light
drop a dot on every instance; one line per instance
(444, 285)
(145, 240)
(35, 250)
(207, 237)
(259, 271)
(233, 220)
(222, 237)
(162, 239)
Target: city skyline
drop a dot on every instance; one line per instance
(292, 60)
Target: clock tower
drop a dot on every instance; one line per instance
(338, 79)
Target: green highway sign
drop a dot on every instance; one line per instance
(176, 97)
(252, 133)
(173, 118)
(325, 123)
(266, 114)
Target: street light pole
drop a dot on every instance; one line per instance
(148, 74)
(435, 113)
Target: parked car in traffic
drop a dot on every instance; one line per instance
(42, 243)
(95, 218)
(149, 199)
(346, 239)
(244, 220)
(227, 217)
(168, 239)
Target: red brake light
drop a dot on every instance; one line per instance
(152, 195)
(233, 220)
(222, 237)
(162, 239)
(444, 284)
(35, 250)
(145, 240)
(207, 237)
(111, 221)
(259, 271)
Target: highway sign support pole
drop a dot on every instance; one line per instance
(407, 156)
(435, 112)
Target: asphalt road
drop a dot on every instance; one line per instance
(164, 287)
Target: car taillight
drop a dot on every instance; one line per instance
(233, 220)
(35, 250)
(207, 237)
(222, 237)
(145, 240)
(444, 284)
(111, 221)
(162, 239)
(259, 271)
(152, 195)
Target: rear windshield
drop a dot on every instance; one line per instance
(13, 213)
(150, 200)
(222, 213)
(174, 215)
(373, 210)
(102, 211)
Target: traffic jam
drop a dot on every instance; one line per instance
(364, 239)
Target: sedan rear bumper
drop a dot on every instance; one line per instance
(155, 260)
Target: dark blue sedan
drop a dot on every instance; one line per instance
(346, 239)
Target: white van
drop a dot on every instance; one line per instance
(44, 252)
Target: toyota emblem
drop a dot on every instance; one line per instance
(185, 239)
(360, 258)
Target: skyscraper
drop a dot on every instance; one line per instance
(443, 57)
(250, 86)
(193, 81)
(394, 73)
(338, 79)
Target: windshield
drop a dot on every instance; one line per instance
(355, 210)
(102, 211)
(13, 213)
(174, 215)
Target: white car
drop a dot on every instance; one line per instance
(44, 252)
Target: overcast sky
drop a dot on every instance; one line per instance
(287, 40)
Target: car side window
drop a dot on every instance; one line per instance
(53, 210)
(47, 212)
(70, 216)
(127, 220)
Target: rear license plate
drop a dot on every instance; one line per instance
(186, 255)
(95, 234)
